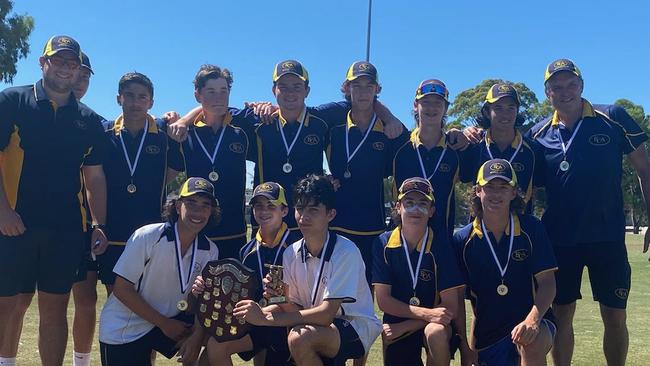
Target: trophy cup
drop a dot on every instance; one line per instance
(227, 281)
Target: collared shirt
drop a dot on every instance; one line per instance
(531, 255)
(450, 170)
(306, 155)
(438, 271)
(229, 164)
(523, 162)
(42, 147)
(267, 254)
(149, 262)
(360, 198)
(125, 212)
(342, 278)
(585, 203)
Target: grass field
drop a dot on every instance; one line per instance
(588, 327)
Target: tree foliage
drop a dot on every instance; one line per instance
(14, 33)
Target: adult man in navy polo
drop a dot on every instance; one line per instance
(581, 167)
(45, 137)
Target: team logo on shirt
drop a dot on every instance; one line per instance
(152, 150)
(236, 147)
(444, 168)
(518, 167)
(621, 293)
(311, 140)
(378, 145)
(426, 275)
(323, 281)
(599, 139)
(520, 255)
(80, 124)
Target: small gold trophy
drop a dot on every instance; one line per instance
(275, 271)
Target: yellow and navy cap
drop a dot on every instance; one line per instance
(271, 190)
(499, 90)
(290, 67)
(432, 86)
(496, 168)
(416, 184)
(85, 62)
(562, 64)
(61, 43)
(362, 68)
(196, 185)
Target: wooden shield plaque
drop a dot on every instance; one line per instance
(227, 281)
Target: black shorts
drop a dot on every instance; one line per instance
(40, 258)
(87, 264)
(351, 346)
(364, 243)
(408, 350)
(106, 262)
(138, 352)
(271, 339)
(609, 273)
(230, 248)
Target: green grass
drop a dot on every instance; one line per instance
(588, 327)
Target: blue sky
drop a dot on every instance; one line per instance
(461, 43)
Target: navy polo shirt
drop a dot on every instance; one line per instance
(306, 156)
(438, 271)
(230, 164)
(126, 212)
(531, 255)
(523, 163)
(585, 203)
(42, 148)
(406, 165)
(360, 198)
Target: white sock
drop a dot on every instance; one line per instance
(81, 359)
(7, 361)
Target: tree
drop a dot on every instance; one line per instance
(633, 199)
(467, 104)
(14, 33)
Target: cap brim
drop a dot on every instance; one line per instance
(268, 196)
(428, 196)
(354, 77)
(54, 52)
(302, 77)
(206, 194)
(483, 181)
(420, 96)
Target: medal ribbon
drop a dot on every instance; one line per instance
(347, 139)
(277, 252)
(284, 139)
(566, 147)
(179, 260)
(424, 172)
(502, 270)
(133, 166)
(521, 141)
(423, 243)
(314, 289)
(212, 157)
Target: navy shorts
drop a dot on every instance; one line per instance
(106, 262)
(271, 339)
(40, 258)
(609, 273)
(351, 346)
(139, 351)
(504, 352)
(408, 350)
(87, 264)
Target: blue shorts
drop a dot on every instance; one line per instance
(504, 352)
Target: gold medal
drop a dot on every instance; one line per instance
(502, 290)
(414, 301)
(287, 168)
(181, 305)
(213, 176)
(131, 188)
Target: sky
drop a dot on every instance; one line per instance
(460, 42)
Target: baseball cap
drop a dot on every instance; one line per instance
(271, 190)
(499, 90)
(85, 62)
(496, 168)
(362, 68)
(416, 184)
(61, 43)
(432, 86)
(562, 64)
(196, 185)
(290, 67)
